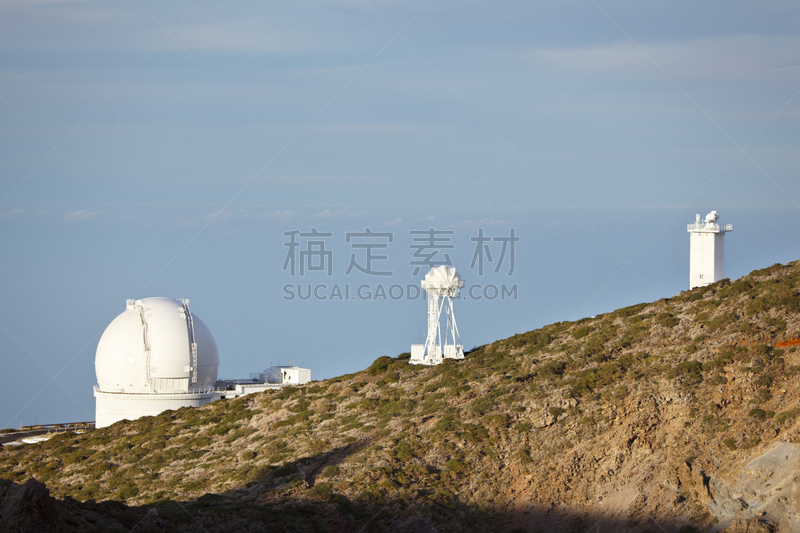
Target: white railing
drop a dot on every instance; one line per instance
(204, 390)
(702, 226)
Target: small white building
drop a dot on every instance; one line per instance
(285, 375)
(292, 375)
(706, 250)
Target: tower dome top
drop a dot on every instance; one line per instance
(442, 277)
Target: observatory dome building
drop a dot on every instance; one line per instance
(154, 356)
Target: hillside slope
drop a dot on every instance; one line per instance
(678, 415)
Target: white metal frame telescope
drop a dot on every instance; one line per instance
(441, 283)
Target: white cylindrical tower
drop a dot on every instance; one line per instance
(154, 356)
(706, 250)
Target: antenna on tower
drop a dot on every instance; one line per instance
(441, 283)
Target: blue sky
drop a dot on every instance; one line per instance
(154, 149)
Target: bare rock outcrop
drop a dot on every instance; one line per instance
(752, 525)
(29, 507)
(761, 494)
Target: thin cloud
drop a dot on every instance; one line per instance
(219, 216)
(80, 215)
(282, 216)
(372, 128)
(488, 221)
(725, 58)
(328, 213)
(394, 222)
(14, 212)
(227, 235)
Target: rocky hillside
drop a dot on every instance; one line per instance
(676, 416)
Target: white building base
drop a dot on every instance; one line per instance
(419, 357)
(112, 407)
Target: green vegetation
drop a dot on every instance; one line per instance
(379, 366)
(791, 414)
(690, 372)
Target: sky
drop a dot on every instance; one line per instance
(179, 149)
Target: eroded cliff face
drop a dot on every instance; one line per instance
(676, 416)
(765, 489)
(650, 467)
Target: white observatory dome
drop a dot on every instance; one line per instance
(156, 355)
(148, 348)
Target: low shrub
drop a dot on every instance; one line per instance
(691, 372)
(781, 418)
(474, 433)
(667, 320)
(581, 332)
(379, 366)
(330, 471)
(285, 470)
(455, 466)
(321, 490)
(524, 455)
